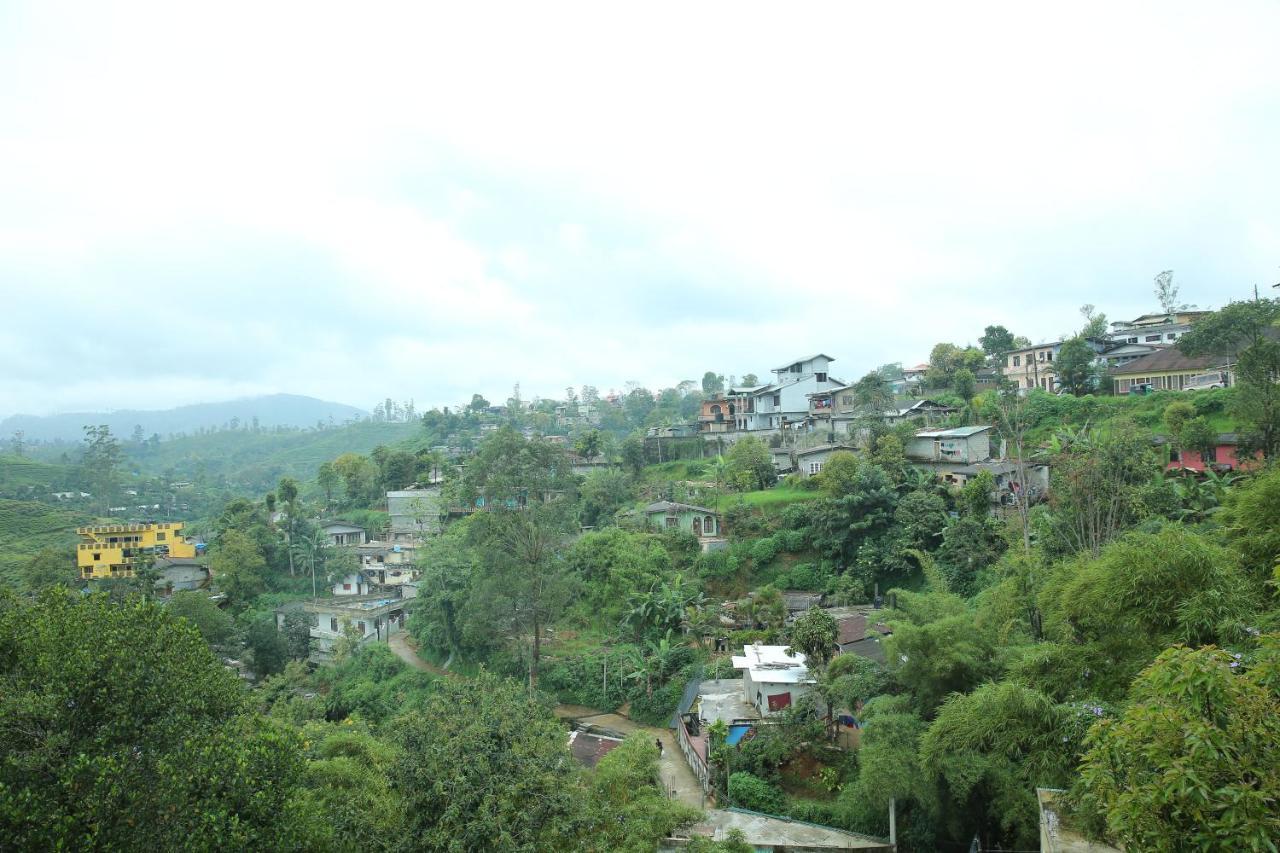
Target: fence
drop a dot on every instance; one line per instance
(693, 747)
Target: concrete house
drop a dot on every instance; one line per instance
(340, 533)
(772, 680)
(811, 460)
(960, 445)
(669, 515)
(1032, 367)
(415, 512)
(1154, 328)
(784, 403)
(369, 618)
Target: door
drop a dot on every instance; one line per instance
(697, 526)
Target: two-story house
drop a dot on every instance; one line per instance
(1154, 328)
(1032, 367)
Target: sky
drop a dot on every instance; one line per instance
(353, 201)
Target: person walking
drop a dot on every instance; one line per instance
(658, 742)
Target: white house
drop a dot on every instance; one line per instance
(785, 401)
(961, 445)
(341, 533)
(354, 583)
(772, 679)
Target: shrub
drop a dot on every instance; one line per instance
(752, 792)
(764, 551)
(791, 541)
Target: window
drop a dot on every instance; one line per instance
(1040, 356)
(346, 587)
(333, 624)
(97, 556)
(1049, 357)
(360, 625)
(159, 537)
(1017, 361)
(672, 522)
(815, 468)
(1173, 336)
(821, 377)
(1151, 339)
(1130, 340)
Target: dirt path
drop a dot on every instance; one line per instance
(399, 643)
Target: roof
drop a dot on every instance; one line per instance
(852, 629)
(1168, 359)
(672, 506)
(588, 748)
(767, 832)
(802, 360)
(328, 524)
(1033, 348)
(772, 665)
(830, 448)
(956, 432)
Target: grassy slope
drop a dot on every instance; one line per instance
(21, 472)
(26, 527)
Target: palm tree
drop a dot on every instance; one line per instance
(309, 551)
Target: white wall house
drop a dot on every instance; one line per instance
(772, 680)
(962, 445)
(352, 584)
(785, 401)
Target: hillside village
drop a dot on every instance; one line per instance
(742, 572)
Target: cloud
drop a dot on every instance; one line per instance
(428, 201)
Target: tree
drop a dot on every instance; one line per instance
(49, 567)
(359, 477)
(1075, 366)
(478, 403)
(1246, 329)
(839, 475)
(627, 808)
(197, 608)
(101, 462)
(267, 651)
(603, 494)
(484, 766)
(814, 636)
(238, 568)
(749, 466)
(1095, 323)
(874, 392)
(1194, 761)
(18, 444)
(996, 341)
(750, 380)
(349, 778)
(327, 478)
(288, 492)
(712, 384)
(633, 455)
(1167, 293)
(119, 729)
(1199, 436)
(962, 382)
(1176, 414)
(588, 444)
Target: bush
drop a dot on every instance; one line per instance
(580, 680)
(791, 541)
(764, 551)
(658, 709)
(751, 792)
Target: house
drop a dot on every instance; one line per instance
(836, 410)
(1166, 370)
(718, 414)
(915, 375)
(1154, 328)
(857, 634)
(581, 466)
(811, 460)
(1225, 456)
(111, 550)
(415, 512)
(354, 583)
(341, 533)
(1008, 481)
(959, 445)
(798, 601)
(1032, 367)
(772, 679)
(784, 403)
(928, 411)
(588, 747)
(178, 574)
(1119, 355)
(669, 515)
(388, 564)
(365, 618)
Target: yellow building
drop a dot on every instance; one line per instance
(110, 550)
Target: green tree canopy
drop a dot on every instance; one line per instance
(120, 730)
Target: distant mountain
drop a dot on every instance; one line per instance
(271, 411)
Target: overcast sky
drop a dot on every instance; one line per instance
(385, 201)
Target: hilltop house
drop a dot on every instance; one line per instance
(1154, 328)
(772, 679)
(784, 403)
(669, 515)
(341, 533)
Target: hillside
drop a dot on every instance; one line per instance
(257, 461)
(18, 473)
(287, 410)
(26, 527)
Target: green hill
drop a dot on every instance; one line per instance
(27, 526)
(255, 461)
(18, 473)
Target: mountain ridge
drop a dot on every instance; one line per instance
(271, 410)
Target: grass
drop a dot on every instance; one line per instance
(775, 498)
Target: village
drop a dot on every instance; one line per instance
(806, 417)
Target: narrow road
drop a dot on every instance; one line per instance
(399, 643)
(677, 778)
